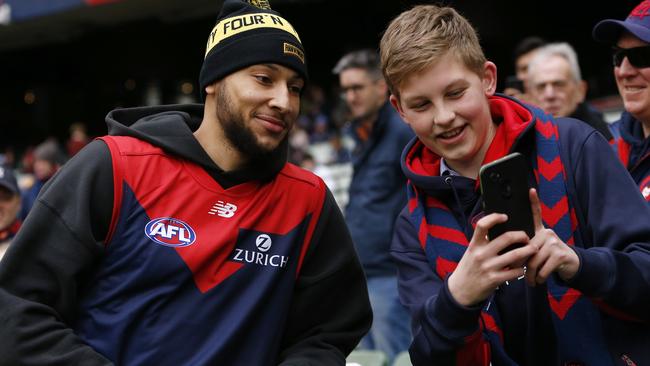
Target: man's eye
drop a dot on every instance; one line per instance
(295, 89)
(263, 79)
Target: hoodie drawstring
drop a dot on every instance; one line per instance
(449, 181)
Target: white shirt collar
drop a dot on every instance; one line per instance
(446, 170)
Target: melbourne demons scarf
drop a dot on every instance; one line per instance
(443, 240)
(623, 149)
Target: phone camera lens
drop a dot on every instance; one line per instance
(507, 191)
(495, 176)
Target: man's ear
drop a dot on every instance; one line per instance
(582, 90)
(383, 86)
(210, 89)
(489, 78)
(394, 101)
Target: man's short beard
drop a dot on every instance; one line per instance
(239, 136)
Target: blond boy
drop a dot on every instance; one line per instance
(584, 296)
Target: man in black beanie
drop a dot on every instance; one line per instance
(184, 237)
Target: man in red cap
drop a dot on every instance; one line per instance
(630, 41)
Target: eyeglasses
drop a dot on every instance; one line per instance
(638, 56)
(354, 88)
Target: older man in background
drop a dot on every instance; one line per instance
(555, 84)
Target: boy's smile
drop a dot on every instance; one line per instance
(446, 105)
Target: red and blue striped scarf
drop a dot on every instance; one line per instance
(575, 317)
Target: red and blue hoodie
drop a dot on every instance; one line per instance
(633, 149)
(141, 251)
(600, 317)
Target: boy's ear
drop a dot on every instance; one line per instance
(394, 101)
(489, 78)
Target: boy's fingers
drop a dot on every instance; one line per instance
(536, 207)
(485, 223)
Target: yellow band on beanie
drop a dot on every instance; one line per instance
(234, 25)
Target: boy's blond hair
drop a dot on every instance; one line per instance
(419, 37)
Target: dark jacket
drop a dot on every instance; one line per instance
(612, 241)
(586, 113)
(633, 149)
(377, 191)
(53, 270)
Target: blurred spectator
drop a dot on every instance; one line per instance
(313, 116)
(48, 158)
(9, 207)
(27, 160)
(77, 140)
(8, 157)
(298, 144)
(523, 53)
(376, 194)
(321, 131)
(308, 162)
(340, 153)
(555, 84)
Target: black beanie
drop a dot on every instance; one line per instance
(249, 33)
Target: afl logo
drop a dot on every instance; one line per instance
(263, 243)
(170, 232)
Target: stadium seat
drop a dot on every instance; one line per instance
(402, 359)
(367, 358)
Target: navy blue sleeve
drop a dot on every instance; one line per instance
(615, 260)
(441, 327)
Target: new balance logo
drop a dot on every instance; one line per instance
(223, 209)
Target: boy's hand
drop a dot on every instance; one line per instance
(553, 255)
(481, 269)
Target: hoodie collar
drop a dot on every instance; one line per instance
(632, 130)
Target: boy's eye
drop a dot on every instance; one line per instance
(419, 105)
(455, 93)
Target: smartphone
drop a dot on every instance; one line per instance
(504, 188)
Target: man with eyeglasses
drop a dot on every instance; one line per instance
(555, 84)
(377, 193)
(630, 40)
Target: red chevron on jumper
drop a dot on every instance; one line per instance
(547, 129)
(448, 234)
(422, 234)
(549, 170)
(413, 204)
(574, 221)
(412, 196)
(623, 149)
(434, 203)
(551, 216)
(444, 267)
(562, 307)
(491, 324)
